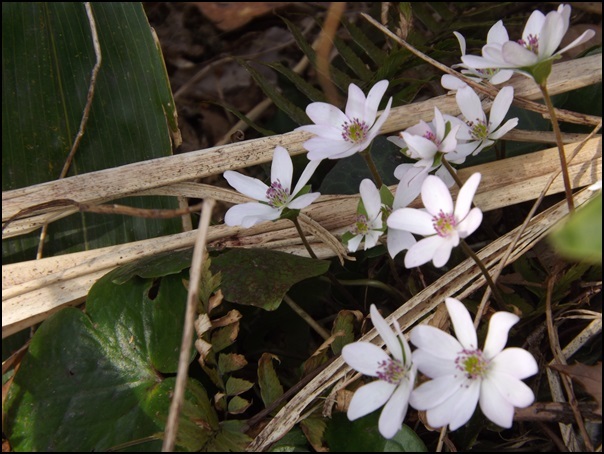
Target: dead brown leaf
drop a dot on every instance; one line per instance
(590, 377)
(229, 16)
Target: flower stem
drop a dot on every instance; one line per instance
(306, 317)
(376, 284)
(304, 240)
(561, 154)
(452, 172)
(374, 171)
(468, 250)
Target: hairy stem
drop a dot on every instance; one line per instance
(374, 171)
(303, 237)
(560, 143)
(468, 250)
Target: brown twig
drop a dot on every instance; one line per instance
(334, 13)
(199, 254)
(85, 114)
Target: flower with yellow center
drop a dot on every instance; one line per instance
(464, 376)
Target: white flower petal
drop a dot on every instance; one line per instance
(436, 342)
(383, 329)
(398, 141)
(518, 56)
(534, 24)
(436, 196)
(364, 357)
(282, 168)
(449, 143)
(371, 239)
(251, 187)
(399, 240)
(371, 198)
(476, 62)
(249, 214)
(432, 366)
(303, 201)
(435, 392)
(443, 251)
(410, 185)
(494, 406)
(501, 76)
(470, 223)
(308, 172)
(497, 335)
(459, 406)
(411, 220)
(551, 34)
(439, 124)
(465, 196)
(500, 107)
(424, 148)
(451, 82)
(374, 97)
(497, 34)
(375, 129)
(469, 104)
(462, 42)
(325, 131)
(393, 414)
(369, 398)
(354, 242)
(322, 113)
(462, 323)
(319, 148)
(355, 106)
(514, 391)
(507, 126)
(422, 251)
(514, 361)
(585, 36)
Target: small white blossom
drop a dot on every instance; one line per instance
(442, 223)
(424, 141)
(341, 134)
(395, 372)
(497, 36)
(541, 37)
(368, 225)
(273, 199)
(476, 131)
(462, 375)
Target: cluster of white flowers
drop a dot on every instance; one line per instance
(462, 374)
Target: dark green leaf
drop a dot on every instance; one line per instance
(301, 84)
(343, 324)
(362, 435)
(353, 61)
(235, 386)
(265, 132)
(260, 277)
(238, 405)
(225, 336)
(47, 60)
(314, 429)
(270, 386)
(229, 439)
(159, 265)
(92, 381)
(366, 43)
(230, 362)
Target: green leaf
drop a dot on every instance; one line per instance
(301, 84)
(230, 362)
(293, 441)
(235, 386)
(260, 277)
(158, 265)
(225, 336)
(265, 132)
(362, 435)
(365, 42)
(92, 381)
(314, 430)
(47, 61)
(353, 61)
(270, 386)
(580, 237)
(343, 324)
(238, 405)
(229, 439)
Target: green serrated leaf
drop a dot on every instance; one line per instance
(261, 277)
(238, 405)
(314, 430)
(270, 386)
(265, 132)
(300, 83)
(159, 265)
(353, 61)
(293, 111)
(235, 386)
(230, 362)
(225, 336)
(229, 439)
(91, 381)
(365, 42)
(580, 237)
(343, 324)
(293, 441)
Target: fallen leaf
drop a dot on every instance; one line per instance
(590, 377)
(229, 16)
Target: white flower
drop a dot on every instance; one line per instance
(497, 36)
(368, 225)
(273, 199)
(541, 37)
(464, 375)
(396, 376)
(478, 132)
(442, 224)
(339, 134)
(424, 141)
